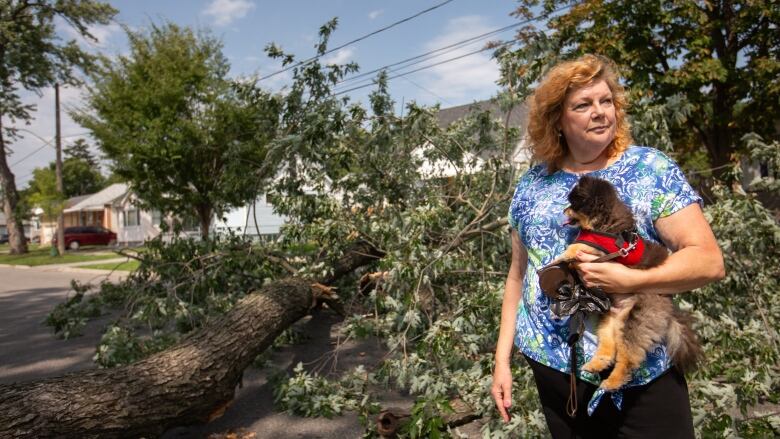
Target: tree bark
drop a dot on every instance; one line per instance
(191, 382)
(204, 217)
(10, 199)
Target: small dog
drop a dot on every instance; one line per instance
(629, 330)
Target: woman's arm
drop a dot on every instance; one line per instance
(502, 375)
(696, 259)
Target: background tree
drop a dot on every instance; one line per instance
(80, 176)
(79, 149)
(42, 192)
(714, 65)
(80, 171)
(184, 135)
(33, 57)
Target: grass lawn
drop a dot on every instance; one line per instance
(130, 265)
(38, 255)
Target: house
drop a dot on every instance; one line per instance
(516, 118)
(48, 226)
(116, 208)
(257, 219)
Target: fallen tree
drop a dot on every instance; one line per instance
(193, 381)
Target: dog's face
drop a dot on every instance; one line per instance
(592, 204)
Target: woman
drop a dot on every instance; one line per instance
(577, 126)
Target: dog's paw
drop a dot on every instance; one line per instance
(613, 383)
(597, 364)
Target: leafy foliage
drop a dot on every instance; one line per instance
(306, 394)
(187, 138)
(722, 57)
(80, 176)
(178, 287)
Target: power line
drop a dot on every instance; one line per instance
(451, 46)
(308, 61)
(427, 67)
(32, 153)
(45, 144)
(461, 43)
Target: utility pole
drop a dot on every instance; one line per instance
(58, 171)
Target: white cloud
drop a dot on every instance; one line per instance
(468, 78)
(374, 14)
(103, 34)
(225, 11)
(341, 56)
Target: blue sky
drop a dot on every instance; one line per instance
(247, 26)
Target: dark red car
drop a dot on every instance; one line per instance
(75, 237)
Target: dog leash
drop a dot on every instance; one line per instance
(571, 298)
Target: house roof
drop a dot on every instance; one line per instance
(72, 201)
(517, 117)
(98, 200)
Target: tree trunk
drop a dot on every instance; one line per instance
(10, 199)
(191, 382)
(204, 217)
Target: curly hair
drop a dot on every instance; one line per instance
(547, 145)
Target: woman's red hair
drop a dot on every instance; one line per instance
(547, 145)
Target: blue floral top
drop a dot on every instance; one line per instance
(652, 185)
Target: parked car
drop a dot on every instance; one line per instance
(75, 237)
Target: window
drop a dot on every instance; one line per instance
(131, 217)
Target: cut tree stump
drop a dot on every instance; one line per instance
(191, 382)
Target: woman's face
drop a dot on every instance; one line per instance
(588, 119)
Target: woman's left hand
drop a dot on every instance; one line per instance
(609, 276)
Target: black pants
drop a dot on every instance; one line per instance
(659, 409)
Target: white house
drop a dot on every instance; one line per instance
(256, 219)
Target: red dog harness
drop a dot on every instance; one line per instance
(626, 248)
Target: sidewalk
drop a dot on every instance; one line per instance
(71, 267)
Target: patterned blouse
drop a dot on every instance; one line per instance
(652, 185)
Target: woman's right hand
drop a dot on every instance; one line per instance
(502, 389)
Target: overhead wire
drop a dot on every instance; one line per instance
(312, 59)
(426, 67)
(446, 49)
(45, 144)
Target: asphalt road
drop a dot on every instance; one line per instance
(28, 349)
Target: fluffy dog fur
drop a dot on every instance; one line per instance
(629, 330)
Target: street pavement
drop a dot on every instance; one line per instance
(28, 349)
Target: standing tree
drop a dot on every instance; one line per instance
(80, 150)
(719, 61)
(184, 135)
(80, 172)
(32, 57)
